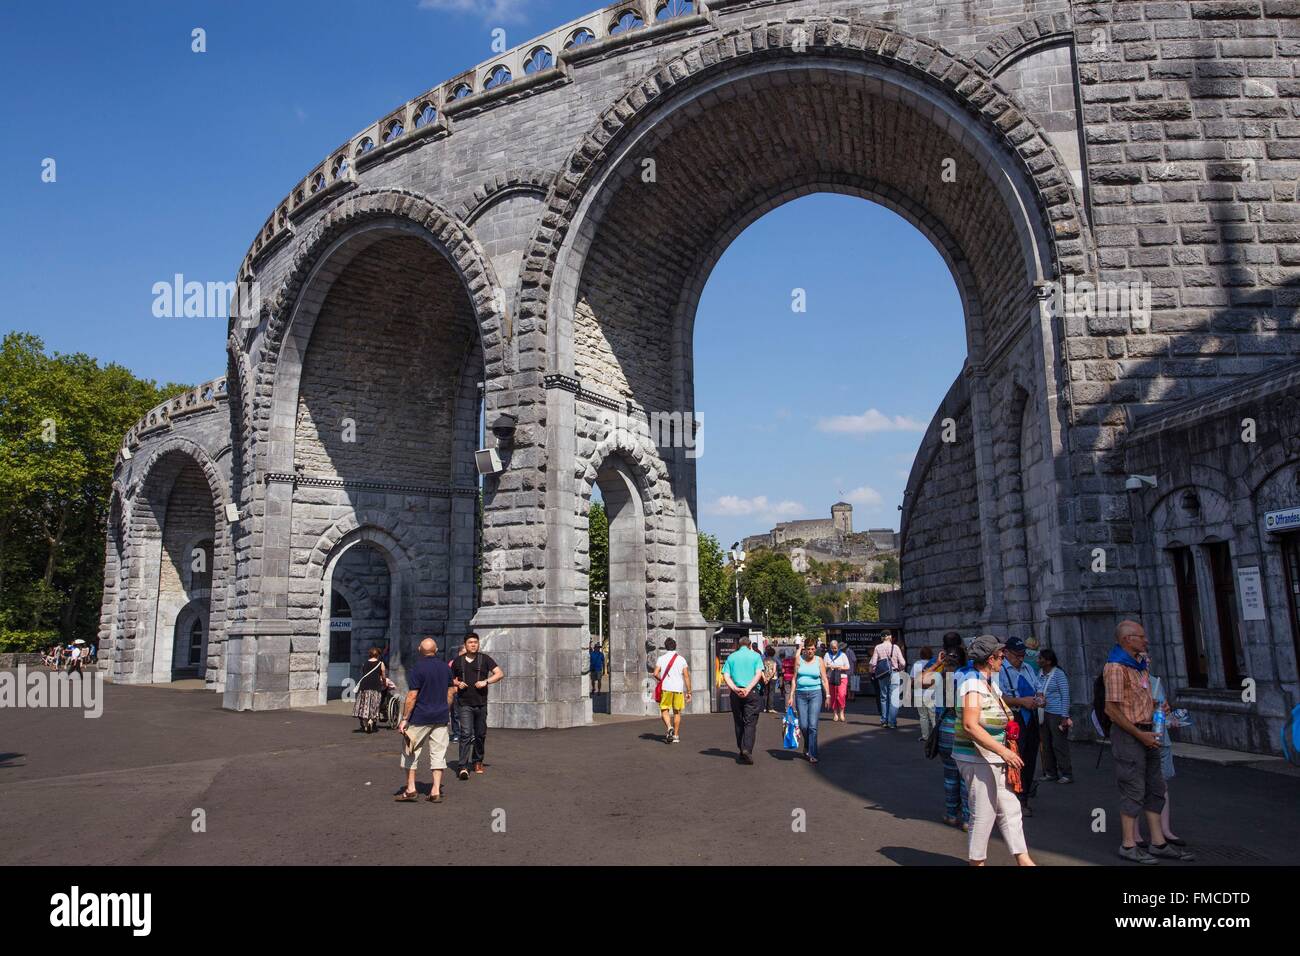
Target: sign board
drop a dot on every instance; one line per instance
(1288, 519)
(724, 643)
(340, 624)
(1252, 594)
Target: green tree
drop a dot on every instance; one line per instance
(714, 582)
(598, 577)
(774, 588)
(888, 570)
(62, 418)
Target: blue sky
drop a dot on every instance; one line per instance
(168, 161)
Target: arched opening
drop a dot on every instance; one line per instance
(731, 148)
(361, 609)
(174, 528)
(626, 608)
(382, 375)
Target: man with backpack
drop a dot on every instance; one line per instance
(673, 690)
(886, 662)
(1127, 719)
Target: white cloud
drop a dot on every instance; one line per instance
(864, 496)
(872, 420)
(733, 506)
(492, 11)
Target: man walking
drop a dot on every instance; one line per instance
(674, 690)
(597, 668)
(424, 720)
(741, 671)
(885, 664)
(1018, 683)
(1135, 747)
(472, 673)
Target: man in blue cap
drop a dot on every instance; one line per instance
(1019, 685)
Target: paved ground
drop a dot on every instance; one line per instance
(301, 787)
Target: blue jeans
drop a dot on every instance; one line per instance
(888, 712)
(808, 705)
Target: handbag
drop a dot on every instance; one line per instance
(659, 687)
(835, 675)
(1014, 783)
(931, 744)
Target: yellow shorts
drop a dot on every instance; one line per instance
(672, 700)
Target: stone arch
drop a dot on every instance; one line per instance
(144, 652)
(344, 232)
(1050, 203)
(1023, 40)
(404, 588)
(527, 180)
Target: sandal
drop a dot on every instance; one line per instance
(407, 796)
(434, 798)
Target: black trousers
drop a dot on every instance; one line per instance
(473, 731)
(1030, 739)
(745, 712)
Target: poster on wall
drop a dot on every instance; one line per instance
(1252, 594)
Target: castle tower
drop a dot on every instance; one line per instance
(842, 517)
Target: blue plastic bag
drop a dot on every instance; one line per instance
(791, 740)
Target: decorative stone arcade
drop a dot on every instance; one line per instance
(527, 243)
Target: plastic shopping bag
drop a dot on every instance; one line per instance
(791, 738)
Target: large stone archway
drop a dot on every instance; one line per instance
(552, 235)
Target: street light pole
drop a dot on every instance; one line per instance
(792, 620)
(737, 564)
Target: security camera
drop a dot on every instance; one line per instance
(1135, 482)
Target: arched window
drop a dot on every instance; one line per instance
(539, 59)
(674, 8)
(284, 216)
(627, 20)
(393, 130)
(428, 114)
(460, 91)
(340, 168)
(498, 76)
(365, 146)
(318, 182)
(579, 37)
(297, 197)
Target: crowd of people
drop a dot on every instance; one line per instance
(987, 707)
(73, 657)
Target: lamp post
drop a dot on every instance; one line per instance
(737, 564)
(792, 620)
(846, 610)
(600, 616)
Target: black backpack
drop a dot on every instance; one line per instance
(1100, 722)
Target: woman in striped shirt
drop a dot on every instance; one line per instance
(1054, 686)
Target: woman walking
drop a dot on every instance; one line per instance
(769, 680)
(935, 680)
(1054, 686)
(370, 691)
(981, 751)
(810, 688)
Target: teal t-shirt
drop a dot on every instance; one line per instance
(742, 665)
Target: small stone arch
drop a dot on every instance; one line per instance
(529, 181)
(1024, 40)
(402, 579)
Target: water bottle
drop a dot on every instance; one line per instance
(1158, 723)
